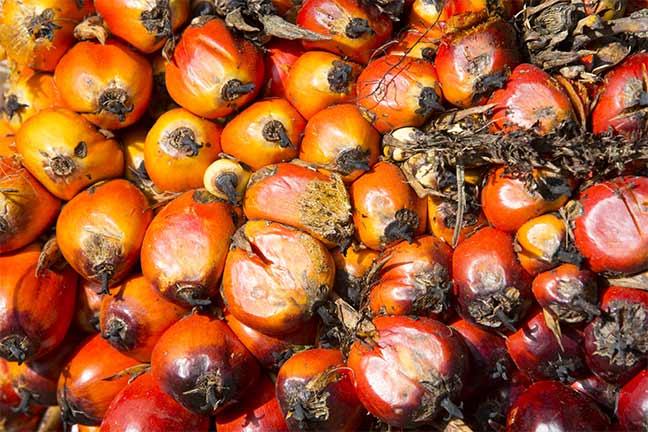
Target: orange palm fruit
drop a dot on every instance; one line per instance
(351, 267)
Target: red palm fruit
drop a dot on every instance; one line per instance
(421, 43)
(616, 343)
(88, 306)
(472, 63)
(351, 267)
(36, 310)
(213, 71)
(386, 208)
(540, 354)
(601, 392)
(109, 83)
(27, 93)
(509, 200)
(491, 287)
(275, 276)
(184, 250)
(492, 409)
(280, 57)
(542, 407)
(145, 25)
(568, 292)
(539, 243)
(135, 317)
(413, 279)
(632, 408)
(15, 417)
(202, 365)
(315, 392)
(27, 207)
(636, 5)
(142, 406)
(100, 231)
(258, 412)
(9, 397)
(319, 79)
(609, 229)
(339, 139)
(530, 100)
(92, 378)
(36, 33)
(66, 153)
(272, 351)
(352, 29)
(489, 358)
(312, 201)
(396, 91)
(265, 133)
(411, 371)
(179, 148)
(442, 218)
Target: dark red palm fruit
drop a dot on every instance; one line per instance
(92, 378)
(184, 249)
(600, 391)
(410, 371)
(275, 276)
(35, 310)
(135, 316)
(202, 365)
(280, 56)
(272, 351)
(258, 412)
(214, 72)
(636, 5)
(537, 351)
(490, 362)
(488, 412)
(396, 91)
(312, 201)
(339, 139)
(413, 279)
(609, 229)
(315, 392)
(88, 306)
(530, 100)
(550, 405)
(539, 243)
(568, 292)
(632, 408)
(473, 63)
(616, 343)
(491, 288)
(509, 200)
(351, 29)
(319, 79)
(623, 99)
(100, 231)
(351, 267)
(142, 406)
(386, 209)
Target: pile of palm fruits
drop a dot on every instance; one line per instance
(327, 215)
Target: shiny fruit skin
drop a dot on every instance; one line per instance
(27, 207)
(600, 391)
(473, 63)
(395, 92)
(274, 276)
(281, 56)
(414, 279)
(267, 132)
(539, 242)
(312, 201)
(309, 375)
(351, 267)
(390, 373)
(184, 250)
(36, 311)
(27, 94)
(550, 405)
(100, 231)
(318, 80)
(66, 153)
(202, 365)
(109, 84)
(608, 232)
(490, 286)
(135, 317)
(142, 406)
(339, 139)
(386, 208)
(260, 405)
(179, 148)
(352, 30)
(442, 218)
(214, 72)
(632, 408)
(418, 43)
(84, 390)
(145, 25)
